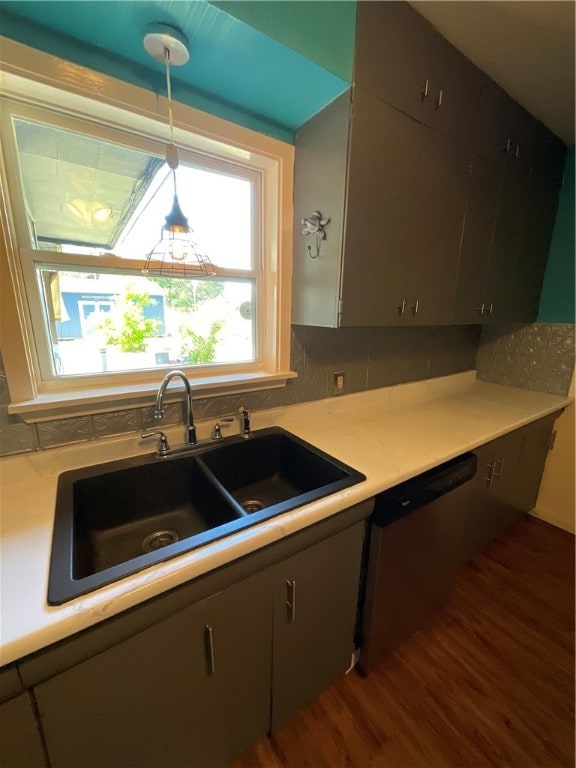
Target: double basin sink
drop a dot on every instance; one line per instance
(115, 519)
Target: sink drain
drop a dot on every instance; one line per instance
(159, 539)
(252, 506)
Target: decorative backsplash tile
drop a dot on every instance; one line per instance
(537, 356)
(15, 435)
(117, 422)
(64, 431)
(173, 414)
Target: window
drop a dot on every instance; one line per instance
(88, 194)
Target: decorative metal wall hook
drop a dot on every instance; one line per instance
(315, 224)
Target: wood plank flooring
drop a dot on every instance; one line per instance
(489, 682)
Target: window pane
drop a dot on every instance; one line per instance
(101, 322)
(87, 193)
(218, 208)
(79, 190)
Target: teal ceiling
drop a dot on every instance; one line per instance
(270, 69)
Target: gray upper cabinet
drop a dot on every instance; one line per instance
(398, 191)
(507, 130)
(440, 189)
(404, 61)
(379, 238)
(473, 298)
(508, 225)
(320, 184)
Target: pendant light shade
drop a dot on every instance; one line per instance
(176, 254)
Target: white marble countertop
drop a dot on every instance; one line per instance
(389, 434)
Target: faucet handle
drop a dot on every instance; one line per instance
(217, 431)
(163, 444)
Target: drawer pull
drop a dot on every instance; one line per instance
(291, 600)
(209, 640)
(490, 478)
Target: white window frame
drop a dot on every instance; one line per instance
(39, 81)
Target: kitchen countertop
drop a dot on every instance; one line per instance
(389, 434)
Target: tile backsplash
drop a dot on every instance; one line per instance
(538, 356)
(369, 357)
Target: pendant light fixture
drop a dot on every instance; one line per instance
(175, 254)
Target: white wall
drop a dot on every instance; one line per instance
(556, 498)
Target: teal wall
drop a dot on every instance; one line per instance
(557, 300)
(269, 66)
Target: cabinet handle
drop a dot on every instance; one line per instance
(517, 151)
(481, 309)
(415, 308)
(440, 99)
(401, 307)
(209, 640)
(424, 91)
(490, 478)
(508, 146)
(552, 440)
(498, 468)
(291, 600)
(490, 309)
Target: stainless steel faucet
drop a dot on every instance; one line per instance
(159, 411)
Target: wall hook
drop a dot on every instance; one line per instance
(315, 224)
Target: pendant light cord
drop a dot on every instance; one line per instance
(169, 92)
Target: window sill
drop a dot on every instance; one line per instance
(60, 405)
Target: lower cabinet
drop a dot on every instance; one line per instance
(314, 617)
(507, 483)
(172, 695)
(20, 742)
(200, 686)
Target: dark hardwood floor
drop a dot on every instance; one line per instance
(489, 682)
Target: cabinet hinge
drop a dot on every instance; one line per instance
(340, 305)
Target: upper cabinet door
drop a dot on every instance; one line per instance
(443, 176)
(394, 45)
(402, 59)
(453, 107)
(528, 274)
(507, 131)
(510, 218)
(472, 305)
(382, 215)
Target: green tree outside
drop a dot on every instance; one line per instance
(125, 325)
(187, 295)
(197, 349)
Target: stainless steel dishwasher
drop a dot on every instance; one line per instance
(417, 542)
